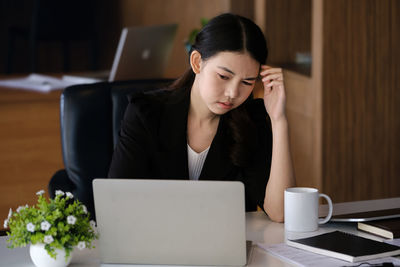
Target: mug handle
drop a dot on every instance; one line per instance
(328, 217)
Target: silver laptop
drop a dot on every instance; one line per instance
(143, 52)
(364, 210)
(170, 222)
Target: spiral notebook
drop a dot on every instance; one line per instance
(345, 246)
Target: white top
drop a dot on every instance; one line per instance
(196, 162)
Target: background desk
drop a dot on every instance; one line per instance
(258, 229)
(30, 145)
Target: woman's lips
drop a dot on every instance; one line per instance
(225, 105)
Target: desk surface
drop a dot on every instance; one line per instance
(259, 229)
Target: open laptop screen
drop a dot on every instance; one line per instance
(143, 52)
(171, 222)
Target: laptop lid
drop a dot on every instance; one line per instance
(170, 222)
(143, 52)
(364, 210)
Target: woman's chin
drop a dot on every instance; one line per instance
(220, 111)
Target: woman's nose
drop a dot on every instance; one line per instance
(232, 91)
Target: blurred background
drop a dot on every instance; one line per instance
(89, 30)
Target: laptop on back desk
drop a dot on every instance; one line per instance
(170, 222)
(142, 53)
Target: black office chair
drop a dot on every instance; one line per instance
(90, 117)
(56, 21)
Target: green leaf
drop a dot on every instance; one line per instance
(194, 32)
(204, 22)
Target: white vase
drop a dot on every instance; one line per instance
(41, 258)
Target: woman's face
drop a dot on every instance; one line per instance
(226, 80)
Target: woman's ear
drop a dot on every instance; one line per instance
(195, 61)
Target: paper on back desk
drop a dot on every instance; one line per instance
(37, 82)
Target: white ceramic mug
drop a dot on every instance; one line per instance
(301, 209)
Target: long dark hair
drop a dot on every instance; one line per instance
(231, 33)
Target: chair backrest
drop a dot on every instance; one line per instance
(91, 116)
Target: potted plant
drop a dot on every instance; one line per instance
(52, 228)
(192, 35)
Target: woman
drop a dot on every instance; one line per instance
(208, 126)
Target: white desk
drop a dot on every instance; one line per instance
(259, 229)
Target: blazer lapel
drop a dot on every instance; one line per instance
(172, 136)
(217, 165)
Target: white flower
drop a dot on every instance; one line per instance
(30, 227)
(92, 224)
(81, 245)
(9, 214)
(45, 225)
(48, 239)
(59, 192)
(84, 209)
(71, 219)
(5, 223)
(40, 192)
(69, 195)
(22, 207)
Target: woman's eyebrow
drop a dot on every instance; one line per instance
(226, 69)
(231, 72)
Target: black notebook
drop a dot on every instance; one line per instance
(389, 228)
(345, 246)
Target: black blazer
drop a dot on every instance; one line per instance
(153, 145)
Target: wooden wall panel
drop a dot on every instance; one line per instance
(394, 111)
(302, 140)
(287, 26)
(288, 29)
(243, 8)
(359, 111)
(394, 183)
(300, 110)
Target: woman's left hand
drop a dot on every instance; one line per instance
(274, 92)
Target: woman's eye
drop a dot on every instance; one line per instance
(247, 83)
(223, 77)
